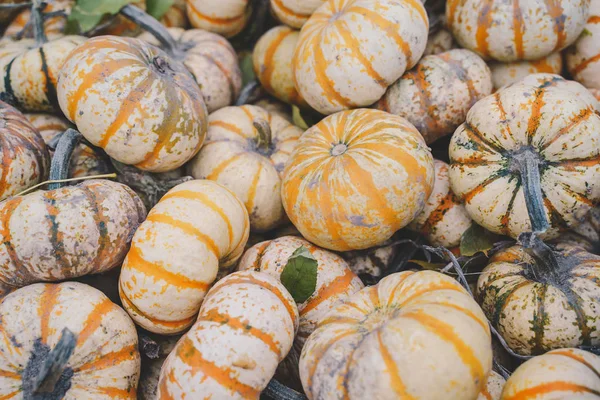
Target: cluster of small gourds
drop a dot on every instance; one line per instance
(221, 187)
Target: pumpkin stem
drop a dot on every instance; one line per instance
(264, 134)
(37, 18)
(249, 93)
(546, 266)
(54, 365)
(61, 161)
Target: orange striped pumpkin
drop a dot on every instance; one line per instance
(414, 335)
(436, 95)
(245, 328)
(225, 18)
(272, 59)
(105, 363)
(516, 30)
(559, 374)
(557, 81)
(355, 178)
(131, 99)
(583, 58)
(377, 39)
(493, 387)
(238, 156)
(444, 219)
(176, 15)
(52, 25)
(504, 74)
(295, 13)
(25, 159)
(212, 62)
(197, 228)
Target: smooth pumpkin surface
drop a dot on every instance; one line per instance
(394, 339)
(105, 363)
(583, 58)
(226, 18)
(132, 100)
(493, 387)
(355, 178)
(294, 13)
(378, 40)
(508, 73)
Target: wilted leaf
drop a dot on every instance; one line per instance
(87, 13)
(300, 274)
(158, 8)
(297, 118)
(477, 239)
(428, 265)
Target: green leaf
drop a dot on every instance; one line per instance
(297, 118)
(428, 265)
(158, 8)
(247, 67)
(300, 274)
(477, 239)
(87, 13)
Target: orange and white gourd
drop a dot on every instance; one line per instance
(225, 18)
(436, 95)
(507, 73)
(131, 99)
(558, 374)
(245, 328)
(444, 219)
(176, 15)
(516, 30)
(355, 178)
(105, 363)
(197, 228)
(493, 387)
(295, 13)
(583, 58)
(52, 25)
(443, 335)
(272, 59)
(378, 40)
(25, 159)
(248, 160)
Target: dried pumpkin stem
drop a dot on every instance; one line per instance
(61, 161)
(545, 266)
(53, 367)
(37, 18)
(264, 133)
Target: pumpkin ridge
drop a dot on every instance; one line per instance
(577, 358)
(423, 85)
(555, 217)
(467, 197)
(321, 350)
(575, 120)
(5, 216)
(392, 295)
(48, 300)
(101, 221)
(329, 290)
(109, 360)
(428, 289)
(113, 392)
(268, 64)
(94, 320)
(10, 375)
(474, 134)
(225, 73)
(535, 118)
(518, 28)
(56, 238)
(50, 90)
(574, 301)
(6, 164)
(253, 188)
(8, 84)
(398, 386)
(540, 319)
(470, 313)
(505, 221)
(484, 20)
(544, 388)
(212, 20)
(504, 299)
(556, 11)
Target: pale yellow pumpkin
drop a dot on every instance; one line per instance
(583, 58)
(226, 18)
(507, 73)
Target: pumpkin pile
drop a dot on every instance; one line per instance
(303, 200)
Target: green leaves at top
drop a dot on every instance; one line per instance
(158, 8)
(477, 239)
(300, 274)
(86, 14)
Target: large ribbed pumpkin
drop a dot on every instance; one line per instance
(248, 159)
(355, 178)
(105, 363)
(516, 30)
(507, 73)
(377, 39)
(294, 13)
(245, 328)
(583, 58)
(436, 95)
(559, 374)
(223, 17)
(25, 159)
(197, 228)
(414, 335)
(131, 99)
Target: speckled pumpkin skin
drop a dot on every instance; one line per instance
(176, 15)
(508, 73)
(493, 387)
(105, 364)
(150, 371)
(272, 59)
(196, 228)
(232, 157)
(583, 58)
(516, 30)
(245, 328)
(560, 125)
(436, 95)
(25, 159)
(212, 62)
(444, 219)
(377, 39)
(226, 18)
(442, 333)
(557, 81)
(52, 25)
(294, 13)
(141, 113)
(559, 374)
(355, 178)
(535, 315)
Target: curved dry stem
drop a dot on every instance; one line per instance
(61, 160)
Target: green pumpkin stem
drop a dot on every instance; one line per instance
(61, 161)
(53, 367)
(546, 266)
(37, 18)
(264, 133)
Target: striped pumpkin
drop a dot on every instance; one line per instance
(372, 262)
(272, 59)
(355, 178)
(132, 100)
(377, 39)
(52, 25)
(557, 81)
(493, 387)
(294, 13)
(212, 62)
(25, 159)
(444, 219)
(197, 228)
(559, 374)
(150, 371)
(414, 335)
(238, 156)
(436, 95)
(516, 30)
(29, 72)
(245, 328)
(64, 233)
(583, 58)
(225, 18)
(511, 72)
(559, 132)
(176, 15)
(105, 363)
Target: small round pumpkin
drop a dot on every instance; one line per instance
(558, 374)
(436, 95)
(246, 150)
(197, 228)
(294, 13)
(245, 328)
(225, 18)
(493, 387)
(377, 39)
(413, 335)
(583, 58)
(132, 100)
(508, 73)
(104, 363)
(355, 178)
(25, 159)
(516, 30)
(176, 15)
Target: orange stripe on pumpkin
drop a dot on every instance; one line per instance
(575, 120)
(212, 20)
(109, 360)
(253, 189)
(518, 28)
(230, 127)
(48, 301)
(94, 320)
(484, 21)
(392, 369)
(278, 4)
(114, 392)
(556, 12)
(583, 65)
(268, 65)
(430, 288)
(577, 358)
(10, 395)
(334, 288)
(545, 388)
(10, 375)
